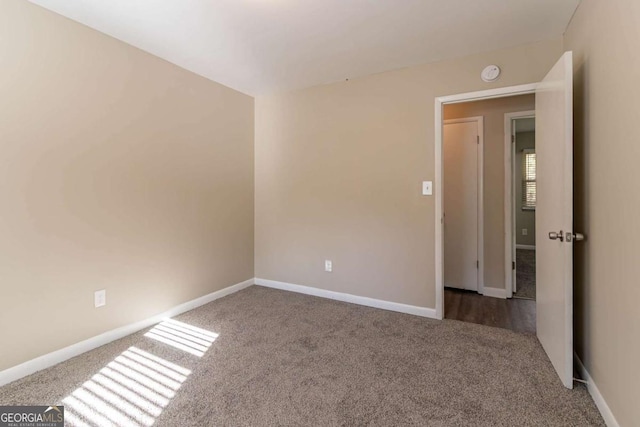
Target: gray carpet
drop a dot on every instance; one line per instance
(288, 359)
(525, 274)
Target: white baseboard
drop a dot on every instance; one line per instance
(354, 299)
(526, 247)
(494, 292)
(53, 358)
(602, 406)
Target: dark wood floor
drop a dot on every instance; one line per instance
(519, 315)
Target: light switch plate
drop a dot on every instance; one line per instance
(427, 188)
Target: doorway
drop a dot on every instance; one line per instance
(473, 164)
(521, 128)
(454, 100)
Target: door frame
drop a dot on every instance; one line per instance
(479, 120)
(509, 198)
(440, 102)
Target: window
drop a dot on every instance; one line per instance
(529, 195)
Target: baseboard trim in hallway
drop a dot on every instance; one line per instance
(601, 404)
(354, 299)
(494, 292)
(53, 358)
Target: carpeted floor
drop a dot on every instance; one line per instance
(287, 359)
(525, 274)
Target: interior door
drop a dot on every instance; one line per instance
(554, 216)
(514, 204)
(460, 160)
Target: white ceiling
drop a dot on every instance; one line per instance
(264, 46)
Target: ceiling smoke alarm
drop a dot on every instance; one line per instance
(490, 73)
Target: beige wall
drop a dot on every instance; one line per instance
(118, 171)
(605, 36)
(493, 111)
(339, 170)
(524, 218)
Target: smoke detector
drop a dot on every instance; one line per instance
(490, 73)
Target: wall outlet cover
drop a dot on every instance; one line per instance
(328, 266)
(100, 298)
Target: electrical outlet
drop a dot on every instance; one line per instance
(328, 266)
(525, 232)
(100, 298)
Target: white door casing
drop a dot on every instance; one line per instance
(440, 102)
(554, 213)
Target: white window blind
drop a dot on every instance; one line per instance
(529, 179)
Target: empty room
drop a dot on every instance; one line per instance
(278, 212)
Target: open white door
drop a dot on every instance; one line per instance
(554, 216)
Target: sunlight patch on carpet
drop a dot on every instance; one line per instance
(183, 336)
(135, 387)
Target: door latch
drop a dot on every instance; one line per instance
(574, 237)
